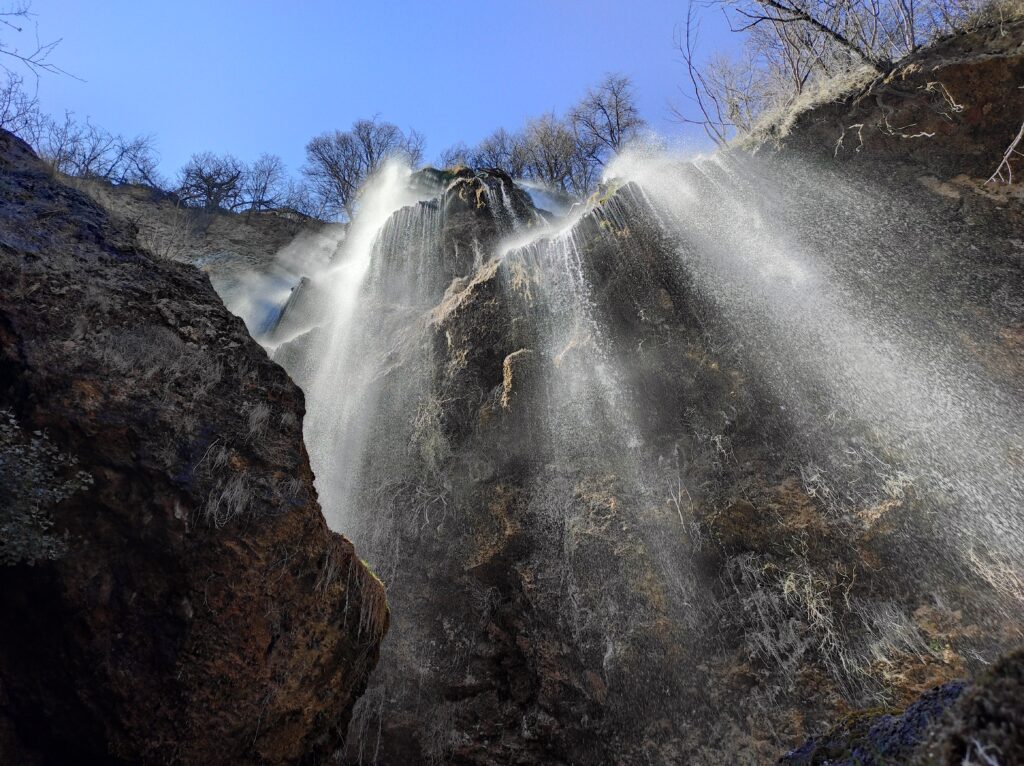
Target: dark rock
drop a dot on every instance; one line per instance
(174, 594)
(956, 723)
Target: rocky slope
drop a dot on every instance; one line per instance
(170, 591)
(230, 247)
(949, 110)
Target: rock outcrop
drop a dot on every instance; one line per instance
(169, 589)
(948, 111)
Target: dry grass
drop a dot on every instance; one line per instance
(231, 499)
(775, 124)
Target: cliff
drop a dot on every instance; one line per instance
(170, 591)
(725, 457)
(684, 478)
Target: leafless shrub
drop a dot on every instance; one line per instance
(18, 109)
(209, 373)
(144, 351)
(169, 236)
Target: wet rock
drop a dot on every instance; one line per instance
(519, 370)
(952, 724)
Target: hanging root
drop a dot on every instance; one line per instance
(1004, 172)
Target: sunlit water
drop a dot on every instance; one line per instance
(854, 326)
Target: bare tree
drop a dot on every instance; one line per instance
(712, 111)
(568, 153)
(377, 140)
(138, 163)
(300, 197)
(337, 163)
(851, 25)
(607, 116)
(263, 183)
(212, 182)
(549, 148)
(501, 150)
(34, 56)
(455, 155)
(731, 93)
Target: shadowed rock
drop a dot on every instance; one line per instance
(170, 591)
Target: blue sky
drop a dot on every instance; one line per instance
(249, 77)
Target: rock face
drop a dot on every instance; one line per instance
(612, 530)
(611, 534)
(952, 107)
(170, 591)
(952, 724)
(221, 243)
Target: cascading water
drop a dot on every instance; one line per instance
(837, 340)
(649, 482)
(331, 365)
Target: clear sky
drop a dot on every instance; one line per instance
(249, 77)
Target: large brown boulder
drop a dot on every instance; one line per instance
(169, 590)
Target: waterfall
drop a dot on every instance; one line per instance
(718, 426)
(382, 262)
(851, 322)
